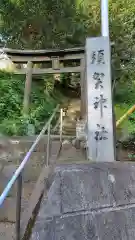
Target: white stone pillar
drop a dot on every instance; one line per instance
(99, 100)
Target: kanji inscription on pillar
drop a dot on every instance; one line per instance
(99, 100)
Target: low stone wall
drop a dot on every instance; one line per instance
(94, 201)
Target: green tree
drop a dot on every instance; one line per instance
(50, 23)
(40, 23)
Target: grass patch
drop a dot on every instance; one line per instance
(127, 127)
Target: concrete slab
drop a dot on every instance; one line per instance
(75, 227)
(94, 201)
(111, 225)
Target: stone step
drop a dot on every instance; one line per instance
(30, 175)
(70, 129)
(69, 118)
(70, 133)
(70, 154)
(69, 126)
(8, 209)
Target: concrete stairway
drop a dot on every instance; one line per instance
(69, 154)
(12, 152)
(69, 121)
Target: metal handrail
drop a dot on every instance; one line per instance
(18, 173)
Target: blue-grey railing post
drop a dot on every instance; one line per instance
(18, 206)
(61, 123)
(48, 145)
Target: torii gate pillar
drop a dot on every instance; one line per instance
(83, 88)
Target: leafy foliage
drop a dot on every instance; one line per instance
(49, 23)
(43, 101)
(40, 24)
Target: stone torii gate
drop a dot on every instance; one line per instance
(56, 59)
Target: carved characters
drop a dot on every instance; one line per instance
(100, 102)
(101, 133)
(97, 57)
